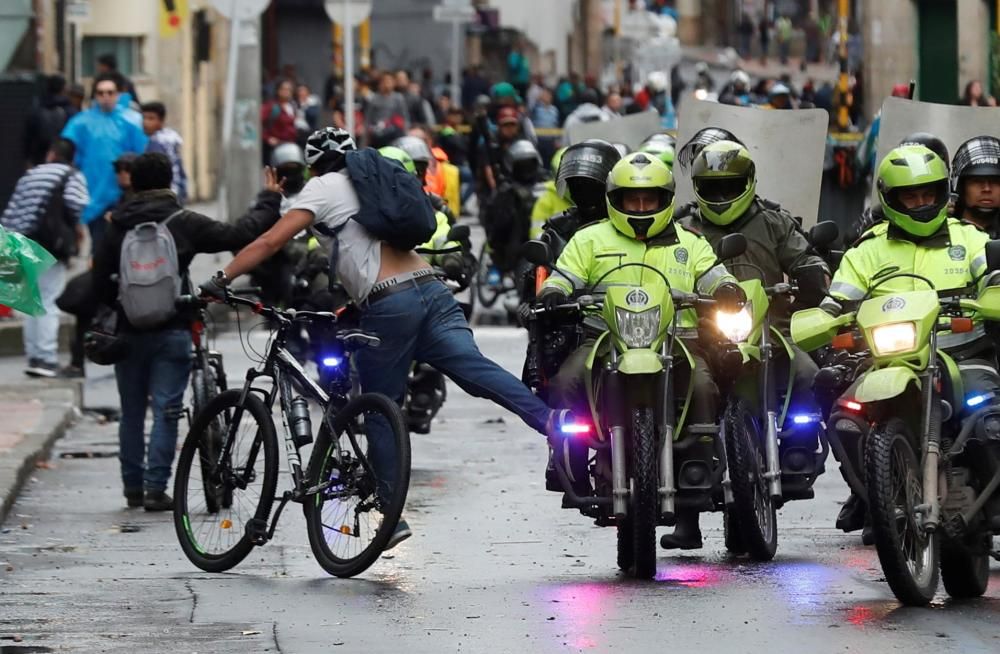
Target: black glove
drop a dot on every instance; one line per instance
(729, 297)
(812, 285)
(550, 299)
(523, 314)
(214, 288)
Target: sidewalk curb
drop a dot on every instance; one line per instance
(60, 409)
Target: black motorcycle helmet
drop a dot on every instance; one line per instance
(929, 141)
(583, 173)
(522, 162)
(977, 157)
(689, 152)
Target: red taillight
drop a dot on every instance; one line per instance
(852, 405)
(541, 274)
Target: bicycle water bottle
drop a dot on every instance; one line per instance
(301, 423)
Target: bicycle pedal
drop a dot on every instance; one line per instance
(257, 531)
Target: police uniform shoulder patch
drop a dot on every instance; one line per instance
(956, 253)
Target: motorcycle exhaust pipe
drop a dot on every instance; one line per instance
(773, 474)
(619, 476)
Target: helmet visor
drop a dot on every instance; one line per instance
(720, 189)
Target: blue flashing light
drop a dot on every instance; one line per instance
(331, 362)
(976, 400)
(575, 428)
(803, 419)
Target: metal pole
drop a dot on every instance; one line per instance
(456, 99)
(348, 69)
(229, 109)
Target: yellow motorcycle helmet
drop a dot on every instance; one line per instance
(640, 171)
(910, 167)
(725, 181)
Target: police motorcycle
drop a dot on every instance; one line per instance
(786, 447)
(646, 460)
(931, 452)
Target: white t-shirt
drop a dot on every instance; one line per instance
(332, 201)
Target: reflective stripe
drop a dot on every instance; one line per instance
(979, 262)
(712, 278)
(948, 340)
(846, 291)
(567, 281)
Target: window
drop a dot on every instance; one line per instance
(125, 48)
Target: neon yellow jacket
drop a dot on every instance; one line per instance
(439, 240)
(685, 257)
(951, 259)
(548, 205)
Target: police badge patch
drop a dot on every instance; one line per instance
(681, 254)
(637, 298)
(957, 252)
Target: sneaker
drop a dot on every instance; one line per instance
(133, 497)
(402, 533)
(72, 372)
(39, 368)
(157, 500)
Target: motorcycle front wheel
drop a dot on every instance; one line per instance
(908, 554)
(643, 505)
(753, 504)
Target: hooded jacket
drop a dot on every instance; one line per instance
(193, 234)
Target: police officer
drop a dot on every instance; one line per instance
(975, 175)
(640, 229)
(725, 187)
(916, 237)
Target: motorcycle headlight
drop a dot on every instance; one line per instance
(638, 329)
(735, 326)
(894, 338)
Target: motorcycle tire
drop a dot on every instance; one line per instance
(644, 503)
(754, 506)
(626, 553)
(732, 536)
(966, 574)
(891, 460)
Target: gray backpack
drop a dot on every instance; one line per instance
(149, 277)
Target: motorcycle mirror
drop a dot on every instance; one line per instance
(993, 256)
(731, 246)
(459, 233)
(824, 234)
(537, 253)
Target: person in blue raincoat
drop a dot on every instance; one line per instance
(101, 135)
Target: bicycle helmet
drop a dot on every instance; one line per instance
(725, 181)
(400, 155)
(287, 153)
(327, 147)
(640, 170)
(910, 167)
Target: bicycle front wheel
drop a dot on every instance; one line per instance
(357, 502)
(213, 534)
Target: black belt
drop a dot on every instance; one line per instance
(399, 287)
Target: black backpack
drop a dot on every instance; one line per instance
(56, 227)
(394, 206)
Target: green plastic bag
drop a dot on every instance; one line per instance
(22, 261)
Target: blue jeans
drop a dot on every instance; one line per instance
(155, 372)
(426, 324)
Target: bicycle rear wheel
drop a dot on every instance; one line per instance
(353, 514)
(215, 537)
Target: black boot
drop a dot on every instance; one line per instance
(852, 514)
(687, 534)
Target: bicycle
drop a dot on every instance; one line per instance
(350, 510)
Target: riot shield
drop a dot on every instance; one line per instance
(630, 130)
(787, 147)
(952, 124)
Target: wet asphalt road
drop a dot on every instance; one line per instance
(494, 566)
